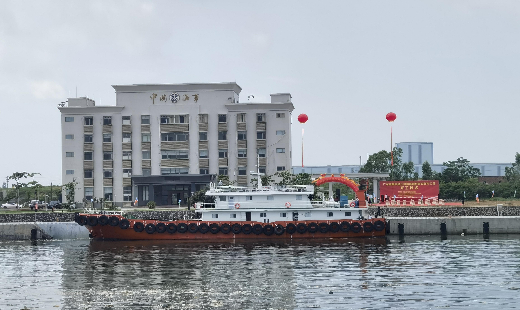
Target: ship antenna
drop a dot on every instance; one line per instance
(257, 173)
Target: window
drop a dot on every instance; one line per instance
(241, 117)
(126, 120)
(170, 171)
(107, 173)
(87, 138)
(270, 197)
(107, 120)
(249, 197)
(127, 193)
(348, 213)
(69, 137)
(174, 119)
(69, 119)
(233, 215)
(107, 155)
(203, 153)
(280, 115)
(222, 135)
(87, 174)
(145, 119)
(204, 171)
(261, 169)
(87, 155)
(89, 193)
(222, 170)
(261, 152)
(283, 214)
(127, 173)
(203, 136)
(69, 154)
(147, 155)
(330, 214)
(145, 193)
(222, 118)
(107, 193)
(242, 135)
(222, 153)
(242, 171)
(299, 197)
(69, 172)
(89, 121)
(260, 135)
(127, 155)
(146, 137)
(260, 117)
(127, 137)
(222, 198)
(242, 153)
(107, 137)
(280, 132)
(175, 154)
(203, 118)
(262, 214)
(215, 216)
(175, 136)
(147, 172)
(280, 150)
(280, 168)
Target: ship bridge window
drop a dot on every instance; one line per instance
(270, 197)
(233, 215)
(347, 213)
(330, 214)
(262, 214)
(298, 197)
(215, 216)
(222, 198)
(249, 197)
(283, 214)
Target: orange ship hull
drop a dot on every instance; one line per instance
(149, 229)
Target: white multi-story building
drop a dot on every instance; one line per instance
(163, 142)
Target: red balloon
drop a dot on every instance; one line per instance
(391, 117)
(302, 118)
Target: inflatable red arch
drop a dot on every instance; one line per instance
(341, 179)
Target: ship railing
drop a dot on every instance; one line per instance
(325, 204)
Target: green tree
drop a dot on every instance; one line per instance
(408, 171)
(396, 170)
(287, 178)
(302, 179)
(513, 173)
(225, 180)
(18, 177)
(266, 180)
(427, 172)
(70, 191)
(458, 170)
(377, 163)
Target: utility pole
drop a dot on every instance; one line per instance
(51, 192)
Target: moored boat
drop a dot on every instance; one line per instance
(247, 213)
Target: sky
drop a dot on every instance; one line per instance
(450, 70)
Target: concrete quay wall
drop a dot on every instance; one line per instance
(454, 225)
(446, 211)
(42, 230)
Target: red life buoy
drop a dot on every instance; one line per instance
(352, 204)
(288, 204)
(237, 205)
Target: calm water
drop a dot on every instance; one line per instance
(414, 273)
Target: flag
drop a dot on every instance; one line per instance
(515, 194)
(464, 194)
(493, 193)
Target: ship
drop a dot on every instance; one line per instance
(278, 212)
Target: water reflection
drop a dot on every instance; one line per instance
(413, 272)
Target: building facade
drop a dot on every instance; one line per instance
(163, 142)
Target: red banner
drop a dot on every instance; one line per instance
(409, 189)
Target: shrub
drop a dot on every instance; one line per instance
(151, 204)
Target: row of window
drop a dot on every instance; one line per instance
(249, 198)
(107, 173)
(174, 136)
(107, 193)
(173, 119)
(282, 214)
(173, 154)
